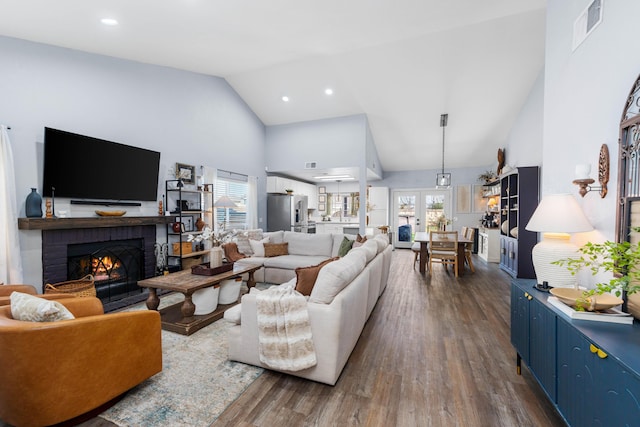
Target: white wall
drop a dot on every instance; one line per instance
(337, 142)
(524, 143)
(585, 93)
(190, 118)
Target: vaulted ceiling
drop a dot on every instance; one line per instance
(400, 62)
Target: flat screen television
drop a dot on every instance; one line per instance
(83, 167)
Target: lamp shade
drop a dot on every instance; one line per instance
(556, 216)
(559, 213)
(224, 202)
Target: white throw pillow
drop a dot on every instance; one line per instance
(257, 246)
(33, 309)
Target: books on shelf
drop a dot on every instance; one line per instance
(611, 315)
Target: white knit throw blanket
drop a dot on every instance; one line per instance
(284, 332)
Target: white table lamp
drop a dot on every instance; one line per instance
(556, 216)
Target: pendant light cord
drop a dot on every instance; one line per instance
(443, 127)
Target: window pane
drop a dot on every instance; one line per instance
(236, 190)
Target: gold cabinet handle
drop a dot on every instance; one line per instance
(595, 350)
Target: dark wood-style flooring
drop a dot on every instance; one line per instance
(435, 352)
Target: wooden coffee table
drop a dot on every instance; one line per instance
(180, 317)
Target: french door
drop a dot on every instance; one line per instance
(418, 210)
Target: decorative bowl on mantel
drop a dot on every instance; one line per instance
(575, 297)
(110, 213)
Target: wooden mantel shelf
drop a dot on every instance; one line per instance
(91, 222)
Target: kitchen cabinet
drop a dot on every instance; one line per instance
(489, 244)
(334, 227)
(188, 206)
(518, 200)
(589, 370)
(277, 184)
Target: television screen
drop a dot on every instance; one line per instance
(83, 167)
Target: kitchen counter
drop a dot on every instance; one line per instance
(334, 226)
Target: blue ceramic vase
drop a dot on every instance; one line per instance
(33, 205)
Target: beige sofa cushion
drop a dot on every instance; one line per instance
(306, 277)
(336, 275)
(274, 236)
(309, 244)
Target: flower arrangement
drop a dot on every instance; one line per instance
(216, 237)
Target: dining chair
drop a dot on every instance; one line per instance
(416, 252)
(443, 249)
(468, 247)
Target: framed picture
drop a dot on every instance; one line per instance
(187, 222)
(322, 190)
(463, 199)
(322, 207)
(322, 198)
(186, 172)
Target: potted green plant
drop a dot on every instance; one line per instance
(622, 259)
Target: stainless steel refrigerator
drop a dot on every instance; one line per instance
(286, 212)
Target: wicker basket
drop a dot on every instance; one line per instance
(80, 287)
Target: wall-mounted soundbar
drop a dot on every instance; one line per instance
(104, 203)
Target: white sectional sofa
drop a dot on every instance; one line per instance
(304, 250)
(344, 295)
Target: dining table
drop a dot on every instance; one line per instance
(423, 238)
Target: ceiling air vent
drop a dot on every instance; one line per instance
(587, 22)
(311, 165)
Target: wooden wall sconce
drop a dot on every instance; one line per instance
(603, 175)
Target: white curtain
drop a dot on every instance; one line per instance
(252, 203)
(10, 261)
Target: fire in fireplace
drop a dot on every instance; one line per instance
(116, 266)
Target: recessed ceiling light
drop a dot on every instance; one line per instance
(285, 98)
(109, 21)
(328, 91)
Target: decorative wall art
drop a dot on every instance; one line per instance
(186, 172)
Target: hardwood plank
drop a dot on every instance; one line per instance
(436, 351)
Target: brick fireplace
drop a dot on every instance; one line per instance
(71, 253)
(60, 233)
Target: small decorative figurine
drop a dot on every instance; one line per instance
(49, 214)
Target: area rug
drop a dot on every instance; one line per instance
(195, 386)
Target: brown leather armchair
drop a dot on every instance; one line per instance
(7, 290)
(52, 372)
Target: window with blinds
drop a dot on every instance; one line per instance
(235, 187)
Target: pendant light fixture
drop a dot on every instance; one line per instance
(443, 180)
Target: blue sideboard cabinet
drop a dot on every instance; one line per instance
(589, 370)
